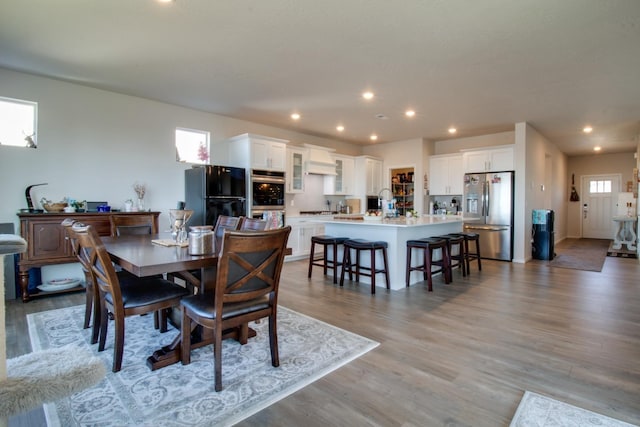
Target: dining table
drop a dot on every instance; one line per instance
(150, 254)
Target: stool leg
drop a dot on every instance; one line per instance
(408, 266)
(373, 271)
(335, 263)
(386, 267)
(478, 253)
(427, 265)
(446, 267)
(357, 266)
(311, 255)
(324, 267)
(466, 255)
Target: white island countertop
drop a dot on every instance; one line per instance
(396, 232)
(395, 222)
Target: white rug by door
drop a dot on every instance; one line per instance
(184, 395)
(536, 410)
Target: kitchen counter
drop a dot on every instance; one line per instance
(396, 232)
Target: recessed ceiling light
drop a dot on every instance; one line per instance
(410, 113)
(587, 129)
(452, 130)
(373, 137)
(597, 148)
(165, 1)
(295, 116)
(340, 128)
(368, 95)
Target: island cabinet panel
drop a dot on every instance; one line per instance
(47, 243)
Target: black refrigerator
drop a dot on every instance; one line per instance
(212, 191)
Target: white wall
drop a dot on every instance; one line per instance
(536, 187)
(95, 145)
(403, 154)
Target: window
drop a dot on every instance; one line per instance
(600, 186)
(192, 146)
(18, 122)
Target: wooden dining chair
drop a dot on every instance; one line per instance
(253, 224)
(124, 224)
(247, 280)
(224, 223)
(92, 303)
(141, 294)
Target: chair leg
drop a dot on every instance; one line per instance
(88, 305)
(97, 314)
(325, 263)
(104, 322)
(273, 340)
(428, 253)
(217, 358)
(185, 338)
(478, 254)
(163, 314)
(119, 342)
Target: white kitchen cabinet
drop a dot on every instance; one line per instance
(342, 183)
(295, 169)
(302, 229)
(258, 152)
(445, 175)
(490, 160)
(368, 176)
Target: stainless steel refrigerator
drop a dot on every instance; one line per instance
(488, 211)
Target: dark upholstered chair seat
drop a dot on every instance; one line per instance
(366, 244)
(204, 307)
(145, 291)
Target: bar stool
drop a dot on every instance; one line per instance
(326, 241)
(360, 245)
(456, 258)
(428, 245)
(470, 256)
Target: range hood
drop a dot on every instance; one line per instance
(319, 161)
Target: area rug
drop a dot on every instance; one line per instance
(581, 254)
(180, 395)
(623, 252)
(536, 410)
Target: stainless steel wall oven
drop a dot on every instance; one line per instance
(267, 191)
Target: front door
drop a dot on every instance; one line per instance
(599, 196)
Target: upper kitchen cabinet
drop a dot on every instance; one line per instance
(446, 175)
(488, 160)
(342, 183)
(258, 152)
(295, 169)
(368, 176)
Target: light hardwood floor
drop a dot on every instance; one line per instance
(460, 356)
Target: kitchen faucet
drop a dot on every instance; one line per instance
(380, 196)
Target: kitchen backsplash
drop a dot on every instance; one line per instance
(312, 199)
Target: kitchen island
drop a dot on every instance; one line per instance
(396, 232)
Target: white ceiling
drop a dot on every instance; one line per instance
(479, 65)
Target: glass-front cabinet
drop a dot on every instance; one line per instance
(295, 169)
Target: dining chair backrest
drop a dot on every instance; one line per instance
(249, 266)
(253, 224)
(133, 224)
(224, 223)
(102, 270)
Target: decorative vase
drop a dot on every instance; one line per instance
(141, 204)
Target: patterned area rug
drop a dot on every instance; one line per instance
(536, 410)
(180, 395)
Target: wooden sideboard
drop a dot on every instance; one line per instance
(48, 245)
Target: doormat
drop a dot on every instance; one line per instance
(183, 395)
(623, 252)
(581, 254)
(541, 411)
